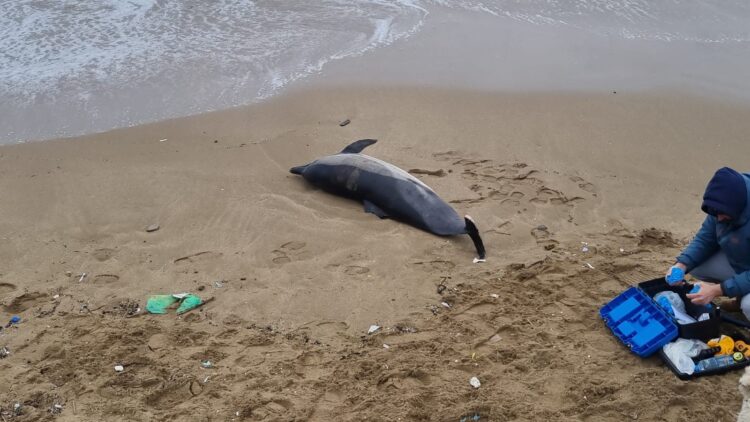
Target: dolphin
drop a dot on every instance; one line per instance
(388, 192)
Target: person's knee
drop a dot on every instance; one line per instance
(745, 305)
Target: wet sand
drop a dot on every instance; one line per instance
(302, 274)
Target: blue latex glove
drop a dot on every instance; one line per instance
(676, 275)
(664, 303)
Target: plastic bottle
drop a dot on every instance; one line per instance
(715, 362)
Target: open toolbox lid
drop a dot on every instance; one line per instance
(639, 322)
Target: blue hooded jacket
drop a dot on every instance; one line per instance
(733, 238)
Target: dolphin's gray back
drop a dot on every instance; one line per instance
(398, 193)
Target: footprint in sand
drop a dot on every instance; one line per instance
(288, 252)
(503, 228)
(24, 302)
(106, 278)
(437, 265)
(544, 237)
(356, 270)
(584, 185)
(349, 269)
(103, 254)
(404, 380)
(197, 257)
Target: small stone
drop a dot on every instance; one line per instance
(69, 273)
(152, 228)
(542, 227)
(158, 341)
(119, 368)
(495, 295)
(446, 305)
(474, 381)
(385, 346)
(345, 122)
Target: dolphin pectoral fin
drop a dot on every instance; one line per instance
(358, 146)
(374, 209)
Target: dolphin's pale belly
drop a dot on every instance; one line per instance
(390, 188)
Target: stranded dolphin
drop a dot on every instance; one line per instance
(387, 191)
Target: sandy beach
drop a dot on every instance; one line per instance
(297, 276)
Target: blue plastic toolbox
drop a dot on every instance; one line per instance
(639, 322)
(644, 327)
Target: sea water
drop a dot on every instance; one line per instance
(80, 66)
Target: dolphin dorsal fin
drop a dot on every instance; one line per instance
(358, 146)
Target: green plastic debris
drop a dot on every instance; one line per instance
(158, 304)
(188, 303)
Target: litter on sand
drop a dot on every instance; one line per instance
(119, 368)
(158, 304)
(373, 328)
(474, 381)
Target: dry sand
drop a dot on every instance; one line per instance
(304, 274)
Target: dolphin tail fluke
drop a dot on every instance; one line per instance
(473, 232)
(358, 146)
(298, 169)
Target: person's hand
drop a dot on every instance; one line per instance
(676, 274)
(707, 293)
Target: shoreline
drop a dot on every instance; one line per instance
(469, 50)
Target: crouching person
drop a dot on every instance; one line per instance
(719, 254)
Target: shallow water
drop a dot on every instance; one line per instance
(81, 66)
